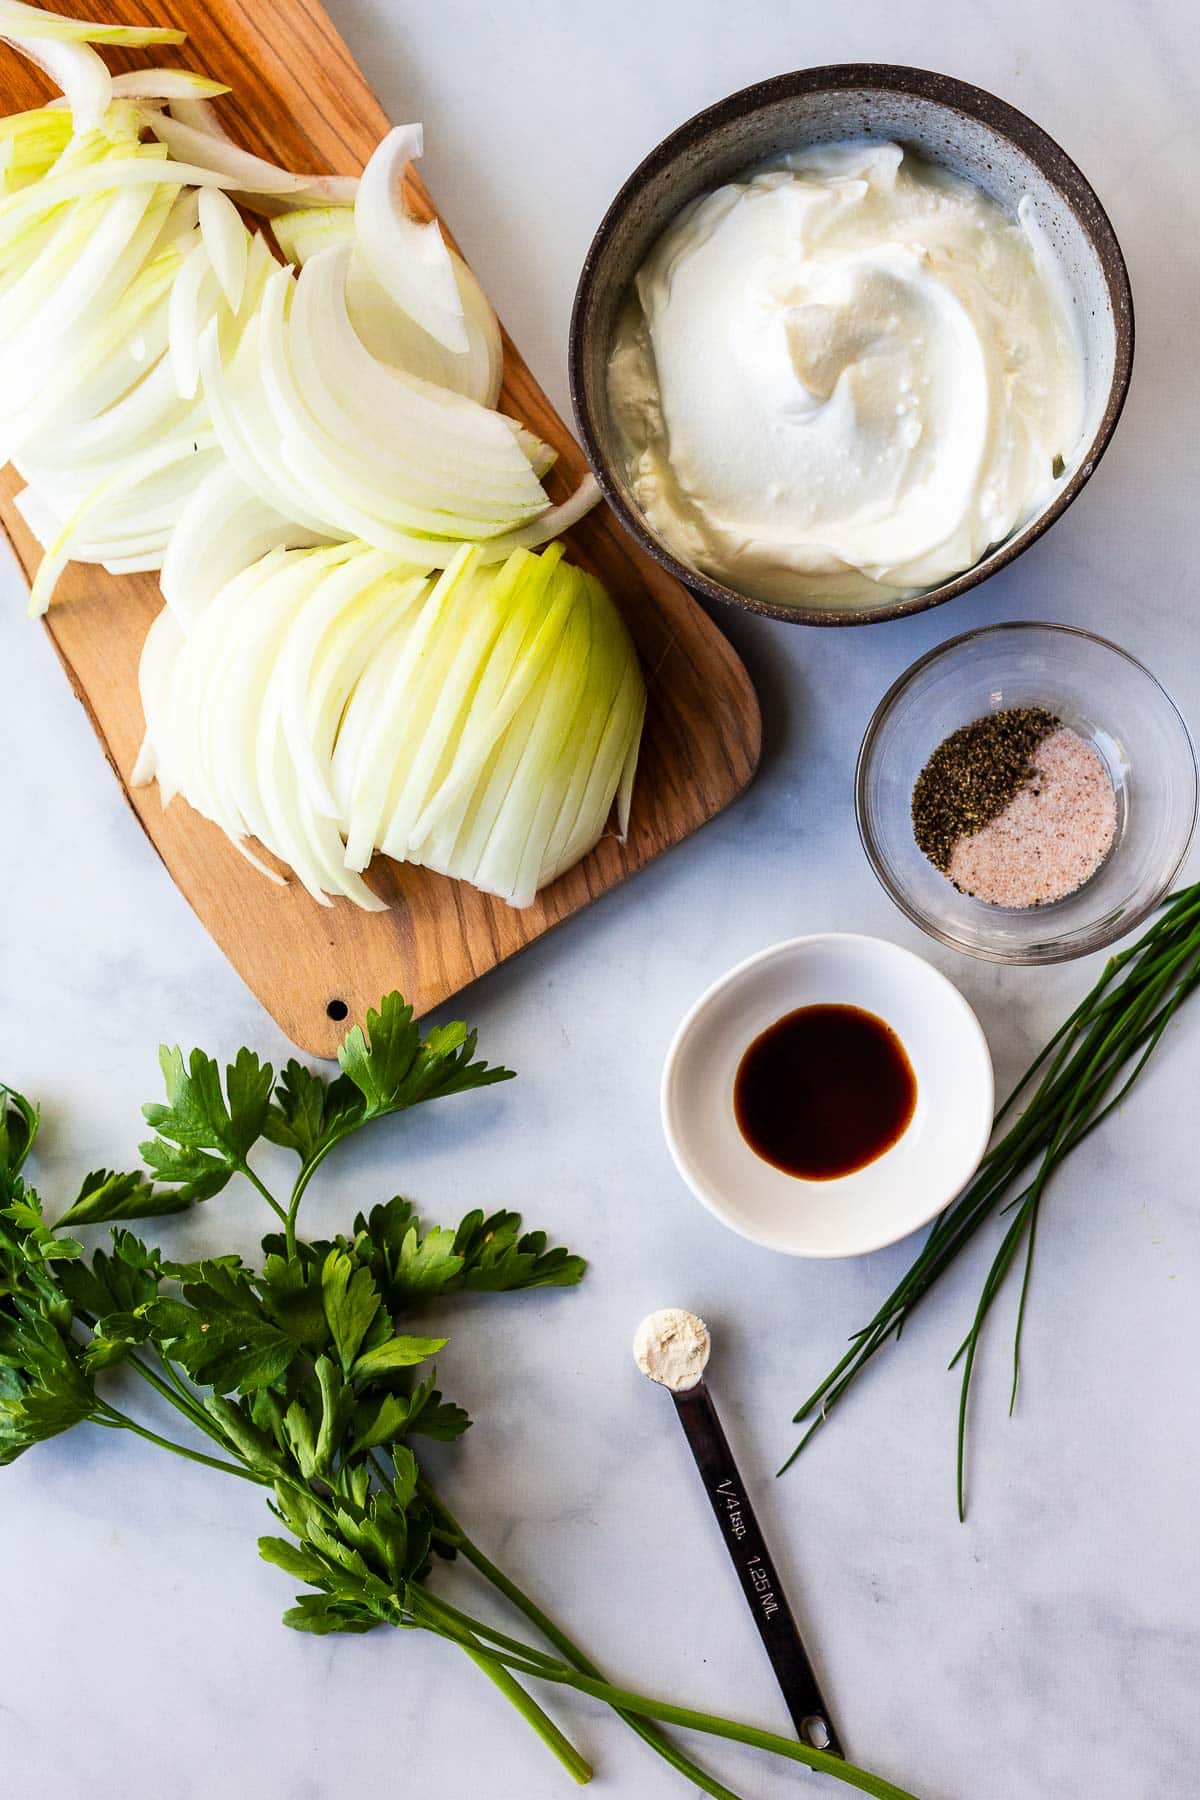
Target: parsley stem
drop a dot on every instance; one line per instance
(624, 1700)
(174, 1391)
(446, 1622)
(576, 1765)
(118, 1421)
(634, 1708)
(570, 1651)
(302, 1180)
(455, 1616)
(184, 1401)
(261, 1186)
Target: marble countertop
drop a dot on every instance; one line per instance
(1047, 1650)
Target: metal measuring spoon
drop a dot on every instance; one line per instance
(672, 1347)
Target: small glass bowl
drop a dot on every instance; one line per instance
(1099, 691)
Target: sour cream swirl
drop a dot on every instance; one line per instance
(845, 378)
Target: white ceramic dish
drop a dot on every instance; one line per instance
(902, 1189)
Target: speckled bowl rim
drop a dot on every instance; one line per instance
(1106, 930)
(955, 96)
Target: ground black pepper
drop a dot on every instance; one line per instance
(973, 775)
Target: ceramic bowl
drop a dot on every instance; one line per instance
(948, 122)
(1101, 692)
(901, 1190)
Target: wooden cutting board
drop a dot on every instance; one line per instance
(300, 99)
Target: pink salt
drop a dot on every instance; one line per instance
(1051, 837)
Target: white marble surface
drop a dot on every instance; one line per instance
(1047, 1650)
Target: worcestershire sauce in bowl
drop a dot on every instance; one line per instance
(824, 1091)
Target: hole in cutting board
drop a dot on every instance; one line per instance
(337, 1009)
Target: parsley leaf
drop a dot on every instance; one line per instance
(256, 1447)
(121, 1283)
(393, 1069)
(498, 1259)
(107, 1195)
(18, 1128)
(351, 1302)
(321, 1615)
(396, 1353)
(307, 1112)
(204, 1134)
(116, 1337)
(292, 1297)
(484, 1255)
(384, 1422)
(411, 1267)
(46, 1392)
(38, 1240)
(197, 1176)
(385, 1070)
(292, 1558)
(218, 1330)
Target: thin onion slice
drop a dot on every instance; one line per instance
(408, 258)
(18, 19)
(227, 243)
(201, 115)
(75, 68)
(240, 169)
(159, 84)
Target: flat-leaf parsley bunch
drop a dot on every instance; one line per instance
(300, 1375)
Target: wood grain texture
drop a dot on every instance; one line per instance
(299, 97)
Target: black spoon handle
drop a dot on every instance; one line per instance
(756, 1572)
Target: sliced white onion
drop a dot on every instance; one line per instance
(549, 525)
(239, 169)
(317, 467)
(242, 421)
(345, 383)
(62, 337)
(388, 332)
(19, 211)
(308, 230)
(162, 644)
(329, 651)
(175, 85)
(166, 84)
(189, 450)
(223, 528)
(75, 68)
(30, 145)
(200, 114)
(408, 259)
(227, 242)
(366, 500)
(17, 19)
(394, 337)
(327, 703)
(418, 461)
(500, 729)
(189, 316)
(535, 616)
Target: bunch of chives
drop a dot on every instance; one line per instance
(1085, 1071)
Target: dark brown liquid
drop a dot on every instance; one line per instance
(824, 1091)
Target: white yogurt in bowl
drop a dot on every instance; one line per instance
(842, 379)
